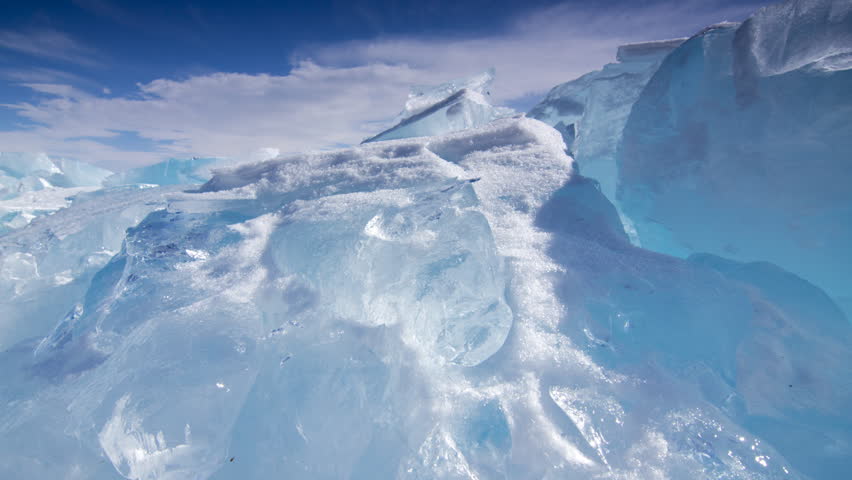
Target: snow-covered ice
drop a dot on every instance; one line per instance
(459, 306)
(454, 300)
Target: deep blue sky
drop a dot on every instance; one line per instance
(124, 83)
(142, 41)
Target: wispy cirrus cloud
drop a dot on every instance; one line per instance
(44, 75)
(48, 44)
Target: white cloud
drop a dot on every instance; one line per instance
(42, 75)
(223, 114)
(48, 43)
(543, 49)
(345, 92)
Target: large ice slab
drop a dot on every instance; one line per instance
(459, 306)
(591, 111)
(739, 145)
(449, 107)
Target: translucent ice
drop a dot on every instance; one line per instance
(449, 107)
(458, 306)
(46, 266)
(739, 145)
(591, 111)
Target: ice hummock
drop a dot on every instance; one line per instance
(449, 107)
(739, 145)
(456, 306)
(591, 111)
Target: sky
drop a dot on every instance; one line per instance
(124, 84)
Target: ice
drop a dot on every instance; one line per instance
(449, 107)
(789, 35)
(448, 303)
(46, 266)
(20, 210)
(23, 172)
(170, 172)
(32, 185)
(452, 299)
(456, 306)
(738, 146)
(591, 111)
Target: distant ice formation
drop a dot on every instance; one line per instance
(449, 107)
(169, 172)
(34, 184)
(23, 172)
